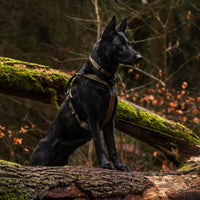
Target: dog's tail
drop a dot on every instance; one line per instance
(70, 80)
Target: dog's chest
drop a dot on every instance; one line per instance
(91, 96)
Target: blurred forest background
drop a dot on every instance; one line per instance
(61, 34)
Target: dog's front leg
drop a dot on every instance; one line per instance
(95, 130)
(108, 133)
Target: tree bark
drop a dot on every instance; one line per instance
(177, 142)
(24, 182)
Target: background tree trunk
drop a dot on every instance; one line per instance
(176, 141)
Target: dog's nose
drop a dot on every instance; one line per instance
(138, 57)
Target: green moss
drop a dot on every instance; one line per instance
(4, 162)
(140, 117)
(194, 166)
(31, 78)
(20, 78)
(12, 62)
(185, 167)
(13, 195)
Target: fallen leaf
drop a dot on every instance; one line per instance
(155, 154)
(184, 85)
(137, 76)
(130, 70)
(184, 119)
(196, 120)
(195, 111)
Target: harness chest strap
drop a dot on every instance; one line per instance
(110, 109)
(84, 124)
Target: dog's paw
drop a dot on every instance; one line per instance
(107, 166)
(119, 166)
(123, 168)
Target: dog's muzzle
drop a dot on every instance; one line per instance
(138, 58)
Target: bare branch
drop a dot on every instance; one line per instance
(168, 16)
(137, 14)
(79, 19)
(155, 14)
(69, 59)
(147, 39)
(196, 26)
(98, 21)
(147, 74)
(176, 28)
(16, 49)
(181, 66)
(150, 62)
(194, 6)
(139, 87)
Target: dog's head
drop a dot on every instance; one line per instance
(114, 46)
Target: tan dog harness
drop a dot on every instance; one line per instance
(112, 100)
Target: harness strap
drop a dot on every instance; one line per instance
(110, 109)
(94, 77)
(84, 124)
(70, 80)
(103, 71)
(112, 97)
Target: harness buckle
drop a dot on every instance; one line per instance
(116, 78)
(98, 67)
(73, 112)
(94, 63)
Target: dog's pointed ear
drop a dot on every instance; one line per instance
(110, 28)
(122, 26)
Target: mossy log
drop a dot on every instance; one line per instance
(32, 80)
(24, 182)
(39, 82)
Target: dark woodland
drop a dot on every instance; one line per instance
(158, 118)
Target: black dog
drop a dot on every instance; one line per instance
(90, 105)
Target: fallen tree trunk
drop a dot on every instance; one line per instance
(23, 182)
(42, 83)
(177, 142)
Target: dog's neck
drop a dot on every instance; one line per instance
(98, 64)
(106, 63)
(100, 69)
(89, 68)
